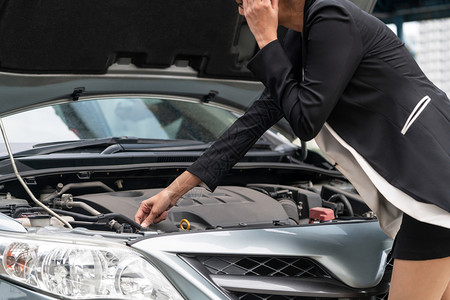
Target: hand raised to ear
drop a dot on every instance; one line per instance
(262, 18)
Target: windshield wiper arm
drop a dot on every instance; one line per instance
(54, 147)
(261, 145)
(113, 145)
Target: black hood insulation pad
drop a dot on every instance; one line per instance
(88, 36)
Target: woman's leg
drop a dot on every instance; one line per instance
(420, 279)
(446, 295)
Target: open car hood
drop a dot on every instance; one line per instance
(53, 50)
(87, 38)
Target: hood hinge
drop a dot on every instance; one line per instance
(77, 93)
(211, 95)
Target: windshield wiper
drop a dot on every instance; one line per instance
(104, 144)
(113, 145)
(260, 145)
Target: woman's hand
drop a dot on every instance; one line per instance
(155, 209)
(262, 18)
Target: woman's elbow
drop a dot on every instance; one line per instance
(305, 131)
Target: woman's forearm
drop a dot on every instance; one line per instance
(181, 185)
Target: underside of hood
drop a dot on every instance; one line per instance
(88, 36)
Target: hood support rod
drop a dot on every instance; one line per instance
(27, 189)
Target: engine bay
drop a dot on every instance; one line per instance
(96, 206)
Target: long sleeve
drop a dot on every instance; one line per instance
(217, 160)
(243, 134)
(333, 51)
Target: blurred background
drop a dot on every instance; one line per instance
(424, 26)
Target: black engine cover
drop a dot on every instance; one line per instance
(228, 206)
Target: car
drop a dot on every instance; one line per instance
(102, 106)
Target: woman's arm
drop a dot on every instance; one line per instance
(216, 161)
(243, 134)
(333, 52)
(236, 141)
(225, 152)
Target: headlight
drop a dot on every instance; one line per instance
(81, 271)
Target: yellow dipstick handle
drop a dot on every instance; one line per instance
(185, 222)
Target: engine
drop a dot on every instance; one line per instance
(255, 205)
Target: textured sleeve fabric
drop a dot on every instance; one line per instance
(217, 160)
(243, 134)
(333, 51)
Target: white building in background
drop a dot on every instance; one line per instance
(429, 42)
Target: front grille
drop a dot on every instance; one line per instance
(301, 268)
(251, 296)
(247, 296)
(262, 266)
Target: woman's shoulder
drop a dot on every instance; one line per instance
(330, 9)
(337, 6)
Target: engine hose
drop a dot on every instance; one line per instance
(345, 201)
(79, 185)
(81, 217)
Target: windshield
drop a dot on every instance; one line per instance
(117, 117)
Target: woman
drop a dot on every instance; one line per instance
(346, 80)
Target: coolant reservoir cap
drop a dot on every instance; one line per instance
(39, 220)
(321, 213)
